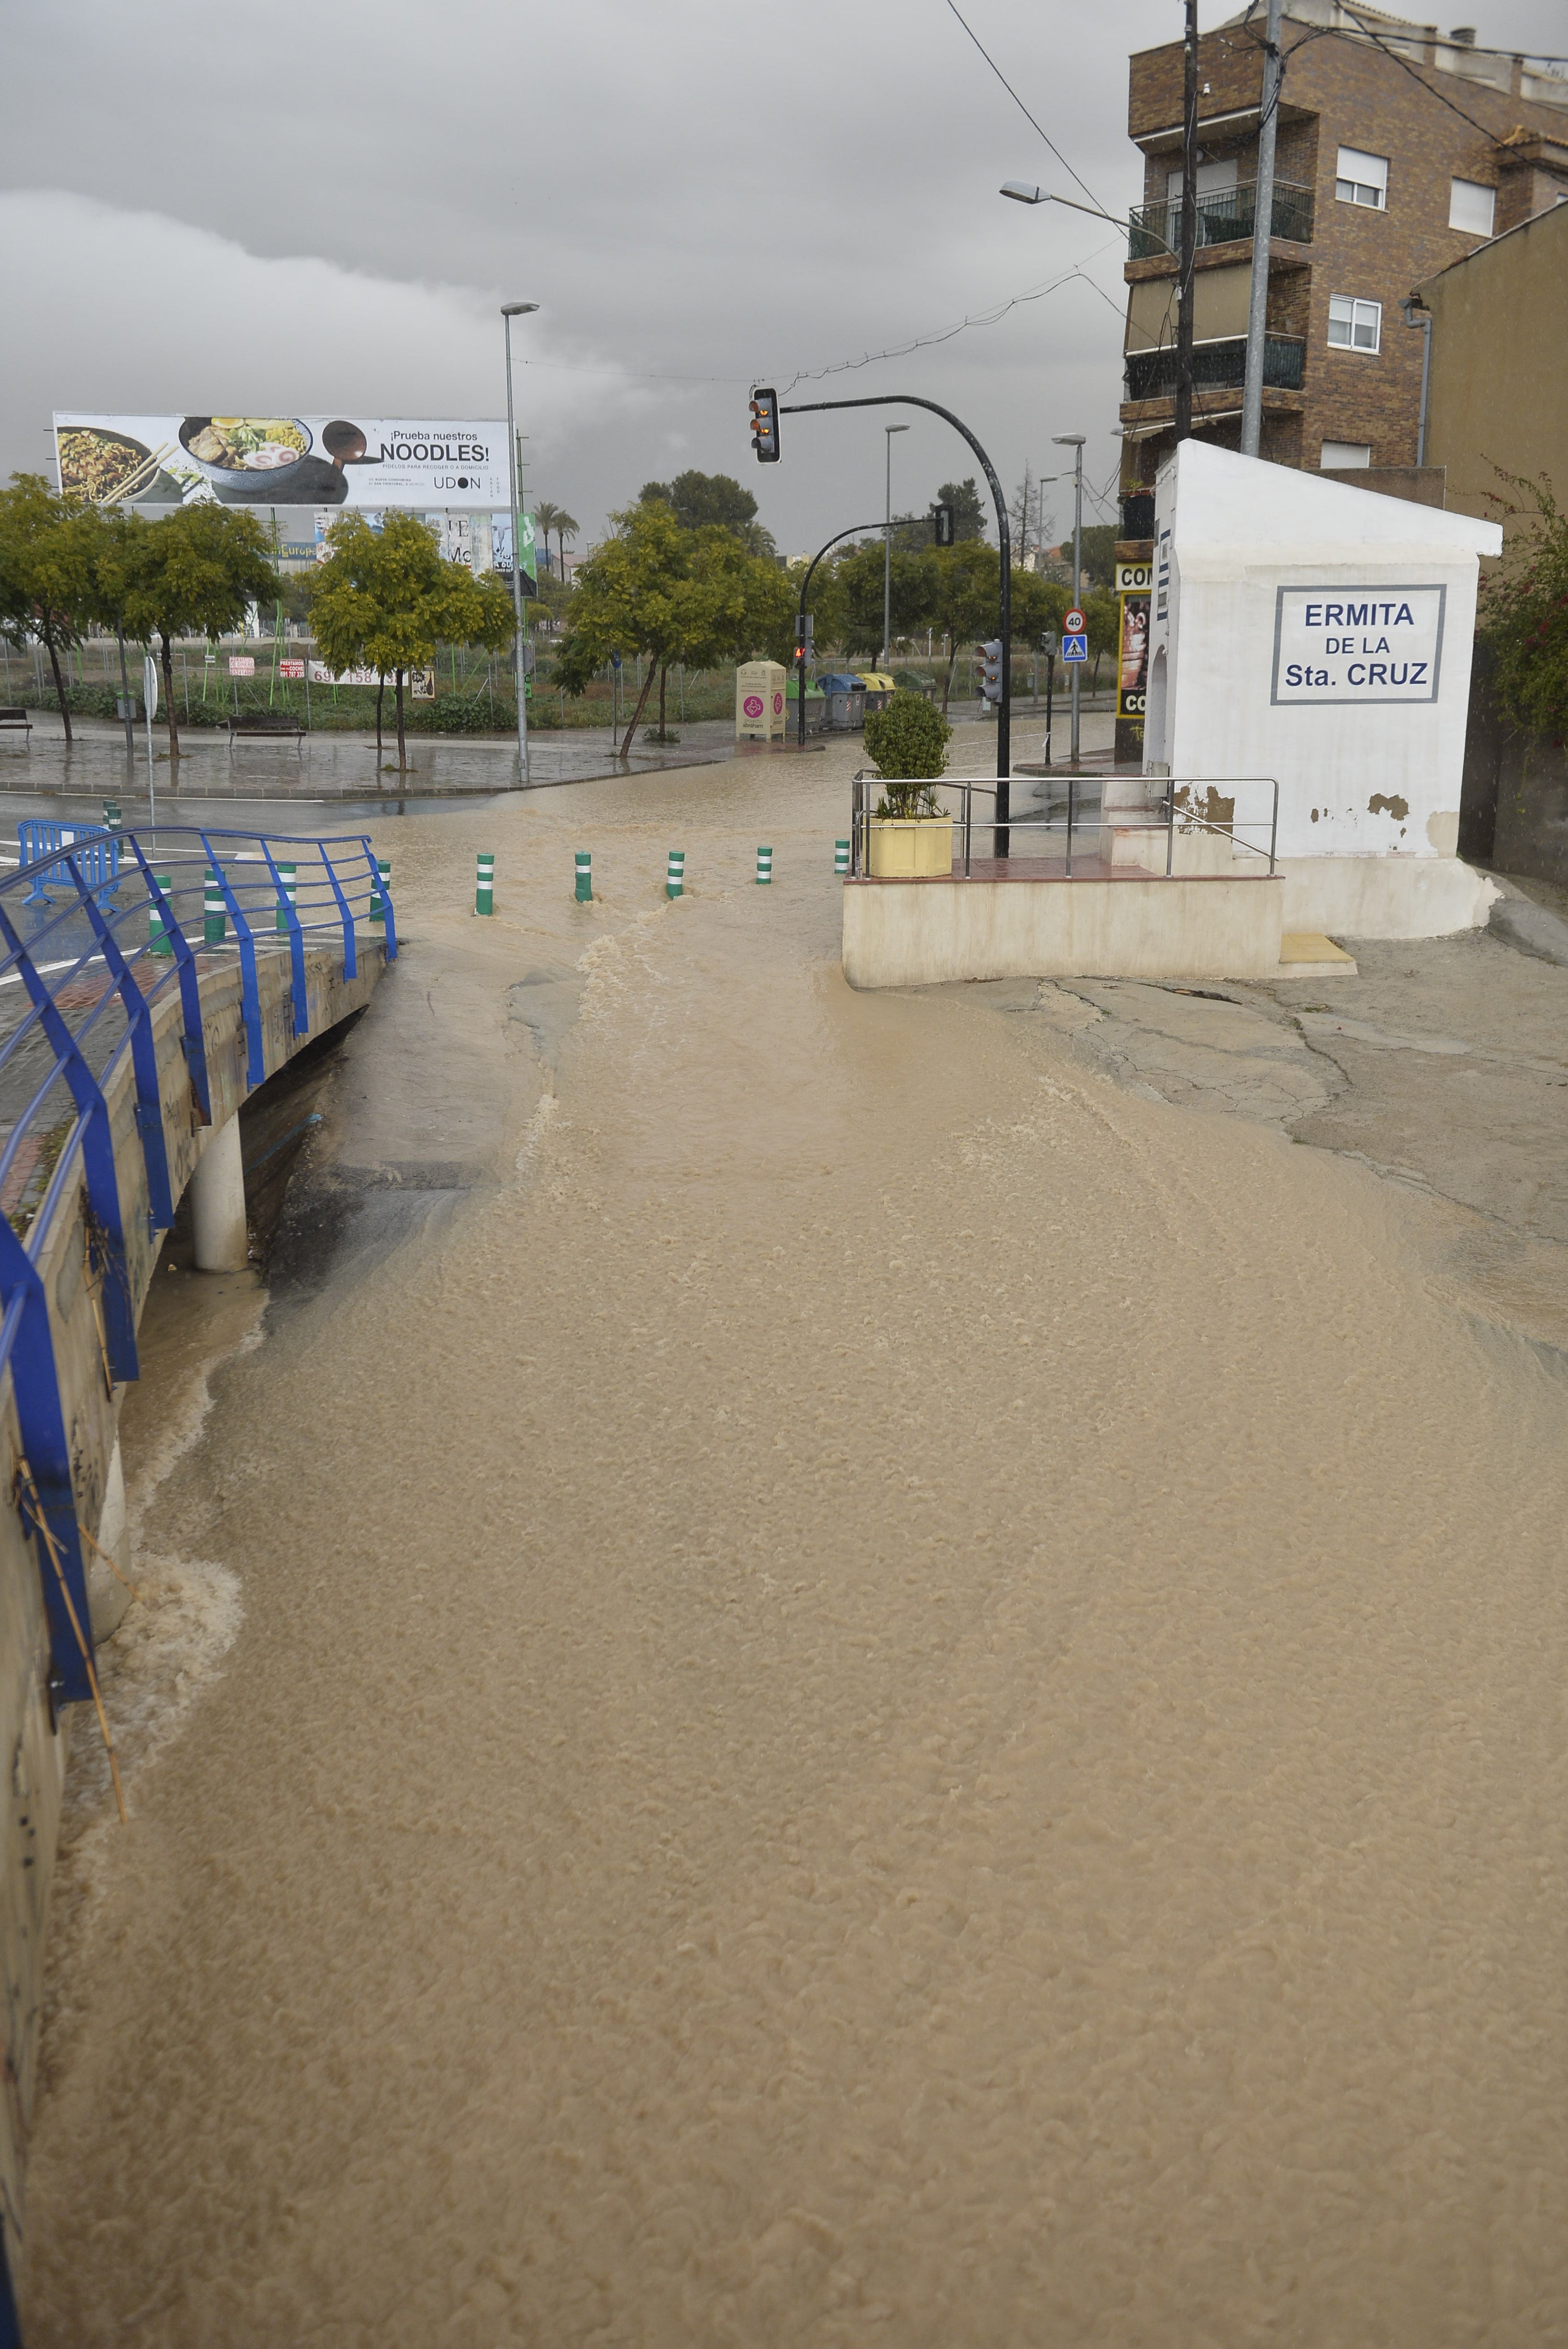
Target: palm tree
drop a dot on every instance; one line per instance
(565, 526)
(547, 518)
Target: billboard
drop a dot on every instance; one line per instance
(1133, 580)
(274, 460)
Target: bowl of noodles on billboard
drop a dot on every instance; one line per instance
(98, 465)
(249, 456)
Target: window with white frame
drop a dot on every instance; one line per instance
(1345, 456)
(1355, 325)
(1361, 179)
(1472, 205)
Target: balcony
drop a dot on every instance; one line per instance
(1225, 217)
(1216, 367)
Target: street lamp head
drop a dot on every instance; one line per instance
(1068, 439)
(1023, 192)
(517, 309)
(895, 428)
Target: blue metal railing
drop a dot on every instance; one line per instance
(94, 932)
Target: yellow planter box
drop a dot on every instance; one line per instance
(911, 848)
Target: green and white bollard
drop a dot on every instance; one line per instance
(158, 939)
(214, 923)
(840, 856)
(484, 887)
(378, 901)
(764, 867)
(585, 876)
(675, 873)
(111, 814)
(288, 885)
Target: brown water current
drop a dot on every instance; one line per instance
(878, 1690)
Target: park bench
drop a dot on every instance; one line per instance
(15, 721)
(263, 725)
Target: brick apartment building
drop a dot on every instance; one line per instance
(1399, 152)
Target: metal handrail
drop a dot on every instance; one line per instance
(62, 929)
(1168, 820)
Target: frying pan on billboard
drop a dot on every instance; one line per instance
(254, 460)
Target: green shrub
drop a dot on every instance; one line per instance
(908, 740)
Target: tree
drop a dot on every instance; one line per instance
(700, 500)
(1104, 616)
(46, 571)
(1096, 545)
(566, 526)
(968, 508)
(544, 518)
(913, 598)
(968, 577)
(386, 598)
(669, 593)
(1524, 608)
(193, 575)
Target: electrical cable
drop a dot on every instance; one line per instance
(946, 335)
(1024, 110)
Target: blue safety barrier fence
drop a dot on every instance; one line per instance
(94, 931)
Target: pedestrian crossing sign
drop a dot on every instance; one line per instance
(1075, 648)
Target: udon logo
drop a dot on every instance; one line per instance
(752, 705)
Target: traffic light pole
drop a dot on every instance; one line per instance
(859, 530)
(1004, 707)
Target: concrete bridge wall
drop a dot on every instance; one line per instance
(33, 1742)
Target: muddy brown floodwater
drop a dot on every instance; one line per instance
(822, 1678)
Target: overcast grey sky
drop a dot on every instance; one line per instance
(309, 208)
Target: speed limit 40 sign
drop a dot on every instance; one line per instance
(1073, 623)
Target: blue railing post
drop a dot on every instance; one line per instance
(250, 993)
(25, 1343)
(144, 1069)
(98, 1157)
(382, 888)
(193, 1041)
(350, 958)
(290, 911)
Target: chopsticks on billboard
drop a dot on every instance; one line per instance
(144, 473)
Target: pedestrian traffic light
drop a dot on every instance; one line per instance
(943, 520)
(765, 426)
(991, 669)
(1049, 642)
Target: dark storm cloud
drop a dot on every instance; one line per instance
(312, 206)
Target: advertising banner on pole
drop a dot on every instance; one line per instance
(371, 461)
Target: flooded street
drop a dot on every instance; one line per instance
(823, 1677)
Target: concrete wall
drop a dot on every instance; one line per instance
(1498, 385)
(921, 933)
(34, 1750)
(1361, 775)
(1514, 810)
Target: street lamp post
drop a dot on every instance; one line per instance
(1074, 440)
(511, 310)
(887, 550)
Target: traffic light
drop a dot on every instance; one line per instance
(765, 426)
(991, 669)
(1050, 642)
(943, 521)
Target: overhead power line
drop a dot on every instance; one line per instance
(1023, 110)
(991, 317)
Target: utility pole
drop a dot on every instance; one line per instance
(887, 552)
(1189, 226)
(1262, 229)
(511, 310)
(1074, 440)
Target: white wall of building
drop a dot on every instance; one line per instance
(1321, 635)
